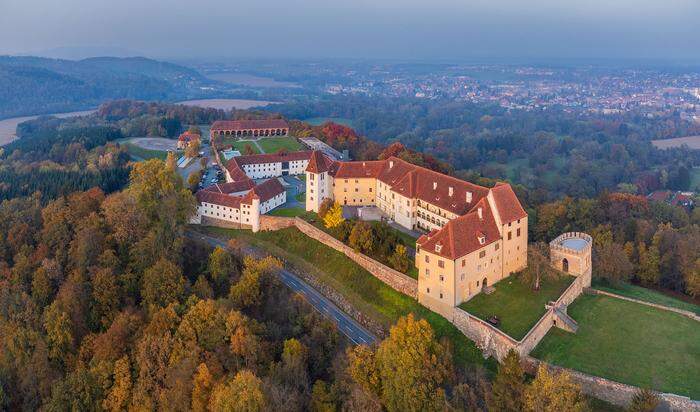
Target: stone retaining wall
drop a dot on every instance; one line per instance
(397, 280)
(610, 391)
(273, 223)
(211, 221)
(685, 313)
(490, 340)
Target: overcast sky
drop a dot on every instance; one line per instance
(404, 29)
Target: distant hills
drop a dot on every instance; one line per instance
(37, 85)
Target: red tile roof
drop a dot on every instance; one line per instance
(264, 191)
(222, 125)
(460, 236)
(219, 199)
(232, 187)
(187, 136)
(507, 204)
(319, 163)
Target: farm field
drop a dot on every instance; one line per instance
(629, 343)
(515, 303)
(693, 142)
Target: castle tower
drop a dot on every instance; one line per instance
(319, 183)
(255, 214)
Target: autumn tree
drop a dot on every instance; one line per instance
(201, 388)
(194, 179)
(538, 265)
(325, 206)
(192, 149)
(222, 269)
(649, 260)
(171, 162)
(508, 386)
(119, 393)
(163, 284)
(334, 216)
(414, 368)
(553, 393)
(400, 260)
(361, 237)
(611, 262)
(248, 290)
(363, 368)
(243, 393)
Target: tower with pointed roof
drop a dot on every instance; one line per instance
(319, 183)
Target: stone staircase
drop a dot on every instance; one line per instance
(562, 320)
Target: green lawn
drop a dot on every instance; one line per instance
(647, 295)
(146, 154)
(517, 306)
(238, 145)
(366, 293)
(630, 343)
(317, 121)
(287, 212)
(273, 144)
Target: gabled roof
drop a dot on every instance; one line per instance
(231, 187)
(220, 125)
(264, 191)
(460, 236)
(507, 204)
(319, 163)
(218, 198)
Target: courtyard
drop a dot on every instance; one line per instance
(629, 343)
(516, 305)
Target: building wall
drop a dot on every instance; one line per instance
(219, 212)
(355, 192)
(472, 269)
(319, 186)
(274, 202)
(436, 281)
(514, 246)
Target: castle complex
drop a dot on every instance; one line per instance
(475, 237)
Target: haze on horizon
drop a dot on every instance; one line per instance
(388, 29)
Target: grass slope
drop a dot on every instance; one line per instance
(516, 304)
(367, 293)
(647, 295)
(630, 343)
(287, 212)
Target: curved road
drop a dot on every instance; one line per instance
(346, 324)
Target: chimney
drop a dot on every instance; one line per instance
(364, 164)
(434, 185)
(391, 164)
(480, 212)
(469, 197)
(451, 191)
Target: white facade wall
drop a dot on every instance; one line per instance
(276, 201)
(229, 214)
(274, 169)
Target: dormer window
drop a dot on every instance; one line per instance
(438, 247)
(482, 239)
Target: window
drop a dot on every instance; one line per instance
(464, 263)
(427, 290)
(498, 246)
(482, 254)
(427, 273)
(477, 283)
(517, 232)
(370, 190)
(442, 278)
(427, 259)
(440, 295)
(441, 264)
(510, 235)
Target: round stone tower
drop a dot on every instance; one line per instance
(571, 253)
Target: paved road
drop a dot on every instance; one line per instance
(346, 324)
